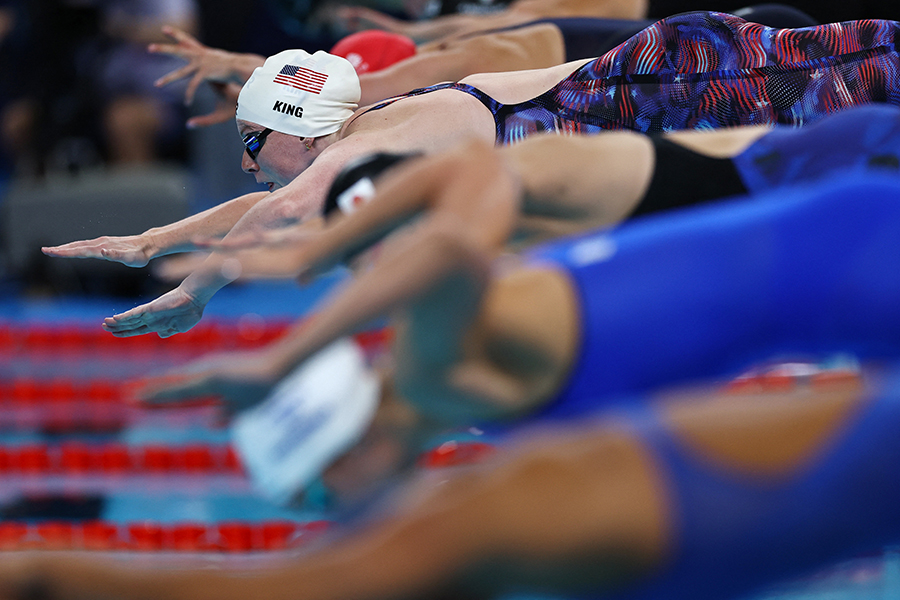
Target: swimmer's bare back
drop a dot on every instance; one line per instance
(444, 117)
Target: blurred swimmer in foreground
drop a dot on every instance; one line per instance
(577, 322)
(694, 498)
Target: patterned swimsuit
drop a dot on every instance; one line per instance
(704, 70)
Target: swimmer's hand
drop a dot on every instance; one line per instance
(130, 250)
(173, 312)
(240, 379)
(204, 63)
(224, 112)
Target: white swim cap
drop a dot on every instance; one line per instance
(300, 94)
(310, 419)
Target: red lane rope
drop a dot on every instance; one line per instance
(73, 337)
(78, 458)
(213, 335)
(148, 536)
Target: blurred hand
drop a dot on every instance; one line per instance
(225, 106)
(130, 250)
(173, 312)
(241, 379)
(204, 63)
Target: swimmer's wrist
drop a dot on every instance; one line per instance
(200, 286)
(280, 358)
(160, 241)
(150, 243)
(243, 65)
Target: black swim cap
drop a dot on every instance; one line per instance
(359, 175)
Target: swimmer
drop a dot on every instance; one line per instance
(564, 192)
(533, 45)
(605, 314)
(701, 497)
(298, 158)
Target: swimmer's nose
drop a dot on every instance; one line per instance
(248, 165)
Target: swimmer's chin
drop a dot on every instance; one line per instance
(273, 186)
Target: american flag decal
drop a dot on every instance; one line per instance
(301, 78)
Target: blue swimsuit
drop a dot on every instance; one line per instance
(713, 289)
(865, 138)
(733, 532)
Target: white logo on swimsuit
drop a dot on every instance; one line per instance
(288, 109)
(592, 250)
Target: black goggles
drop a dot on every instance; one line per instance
(253, 141)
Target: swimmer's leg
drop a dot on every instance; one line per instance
(767, 488)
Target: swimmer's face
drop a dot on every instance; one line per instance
(356, 475)
(278, 160)
(388, 446)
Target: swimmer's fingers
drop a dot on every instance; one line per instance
(186, 47)
(194, 70)
(173, 312)
(181, 36)
(192, 86)
(80, 249)
(239, 379)
(179, 73)
(220, 115)
(132, 251)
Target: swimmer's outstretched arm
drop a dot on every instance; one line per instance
(468, 185)
(138, 250)
(445, 257)
(698, 497)
(589, 509)
(568, 184)
(302, 199)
